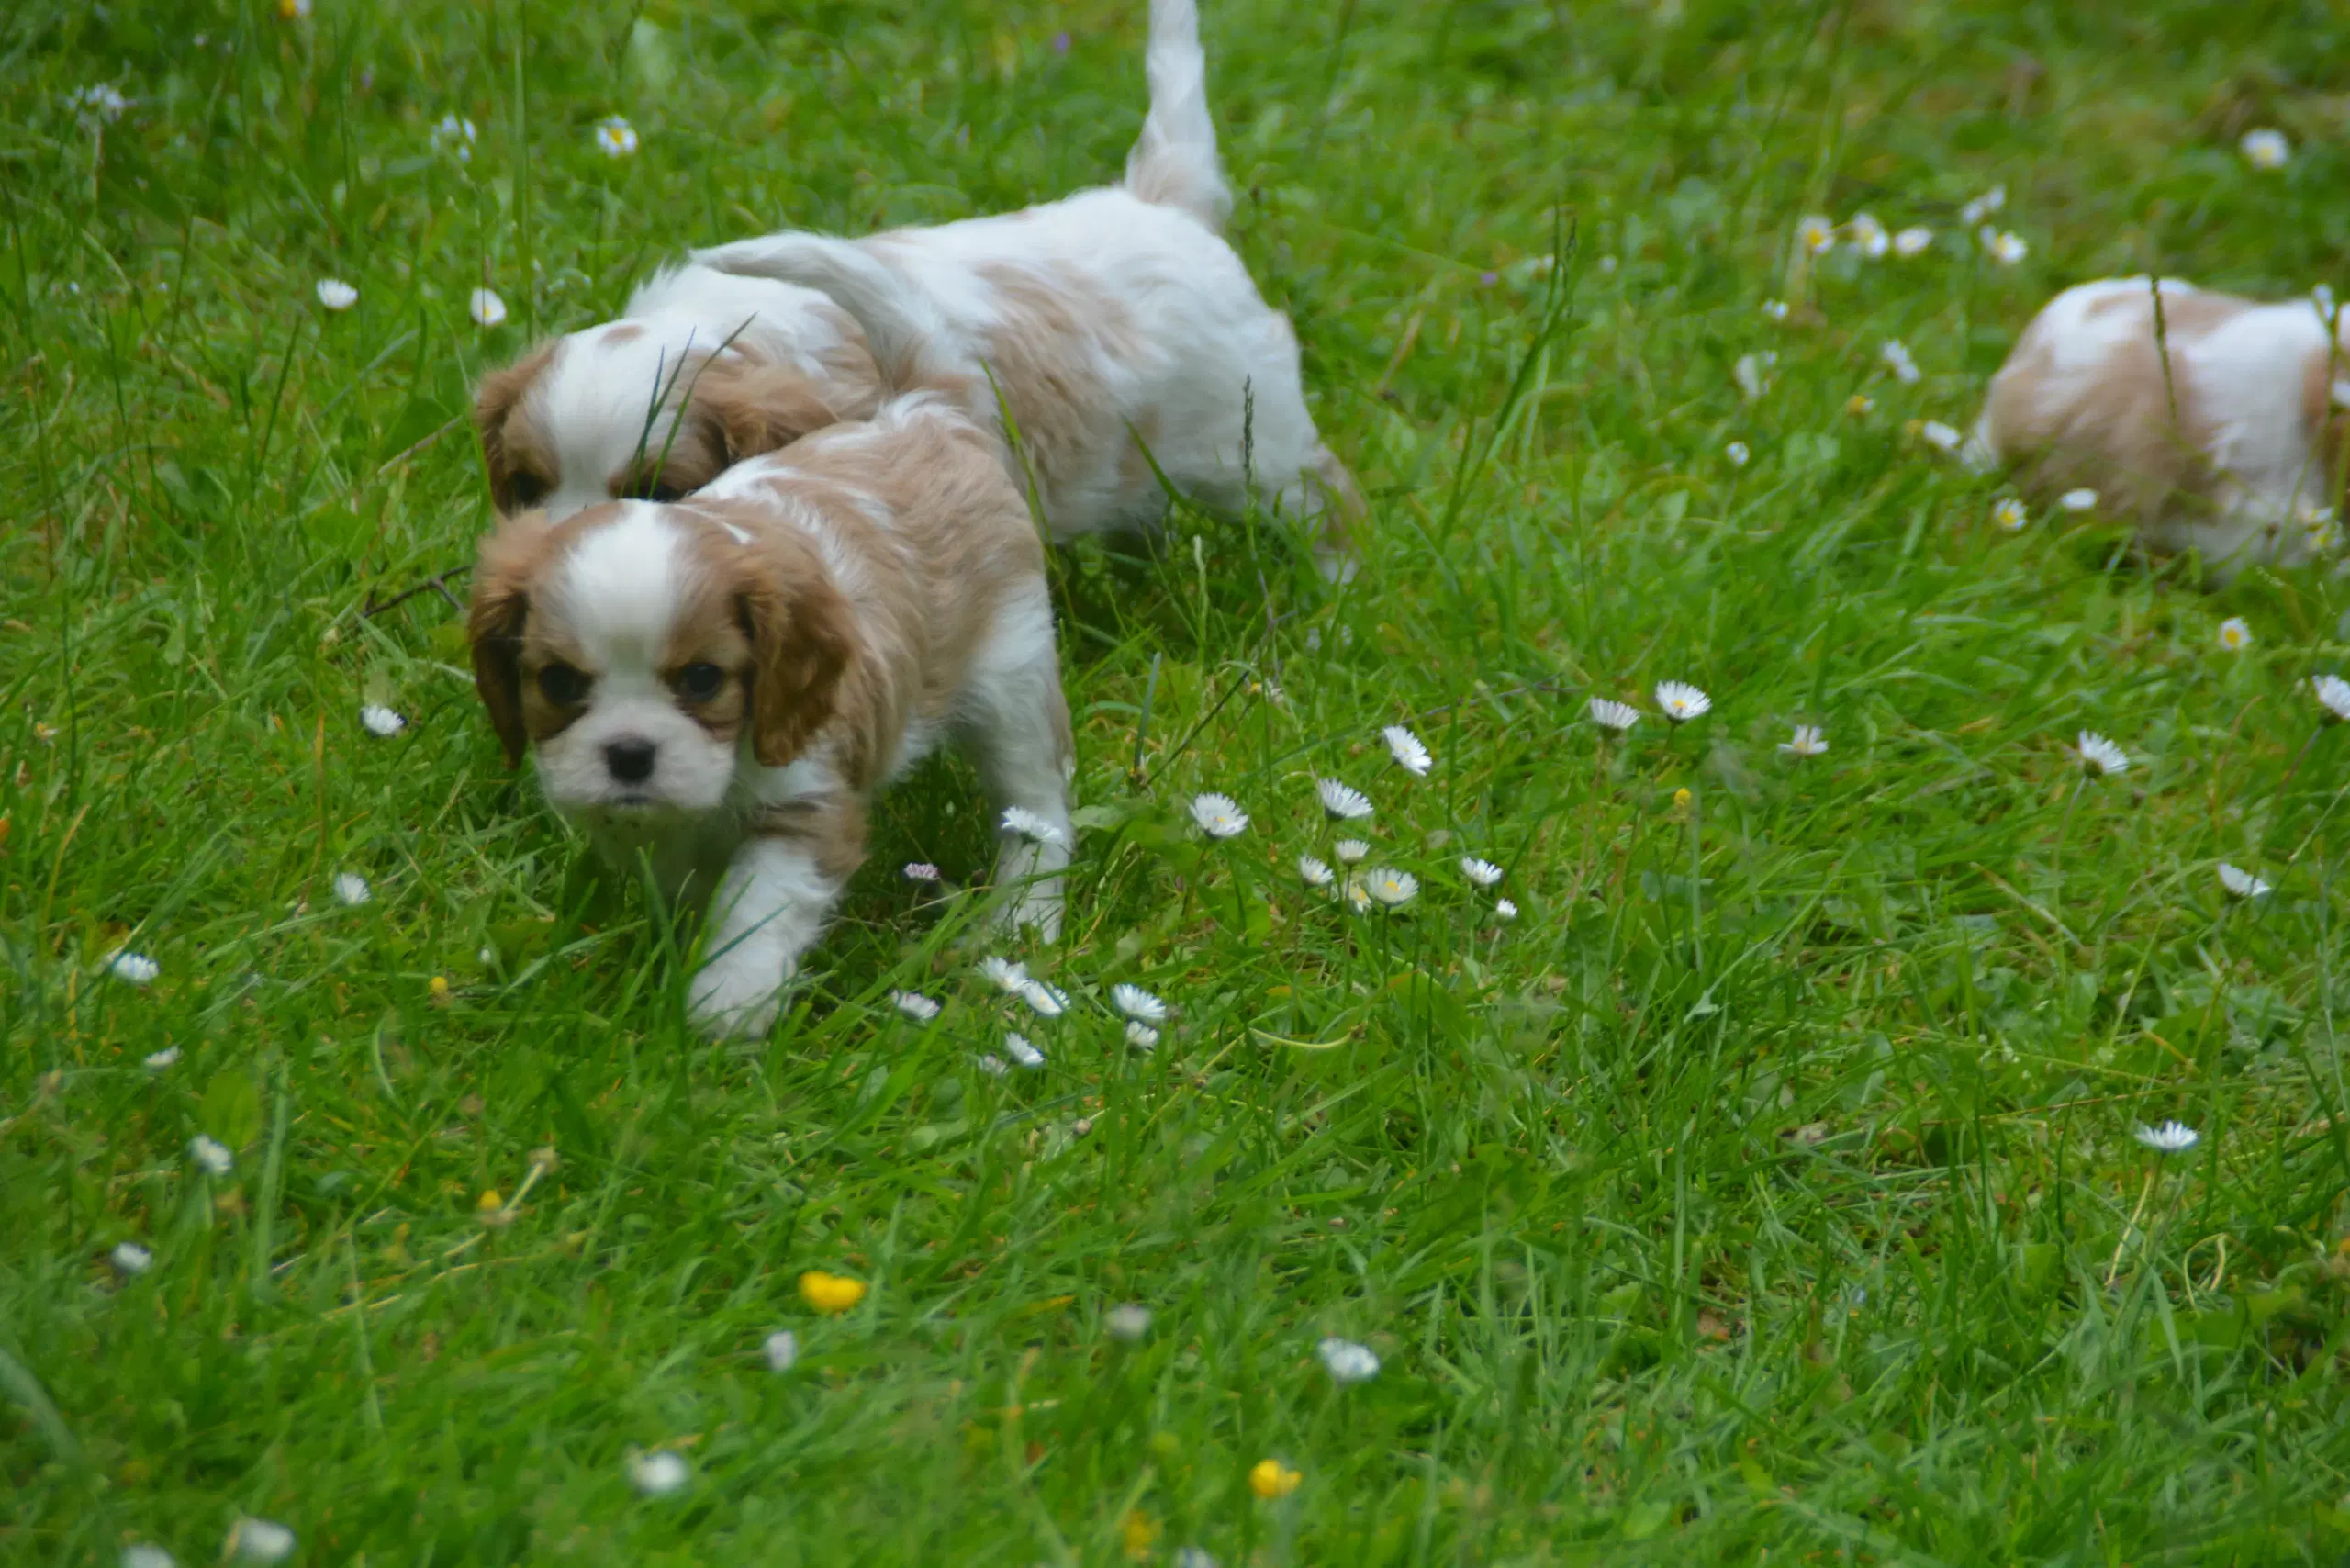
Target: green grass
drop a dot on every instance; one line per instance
(1767, 1187)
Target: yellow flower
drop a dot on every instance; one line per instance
(491, 1200)
(1139, 1532)
(1681, 800)
(1272, 1478)
(439, 989)
(1857, 405)
(830, 1293)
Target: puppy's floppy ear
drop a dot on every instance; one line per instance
(494, 404)
(757, 406)
(803, 642)
(503, 573)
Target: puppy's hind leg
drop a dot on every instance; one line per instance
(1014, 722)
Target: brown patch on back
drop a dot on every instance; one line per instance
(2328, 424)
(1043, 354)
(2137, 437)
(514, 451)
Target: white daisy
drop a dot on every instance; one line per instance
(782, 1350)
(2084, 500)
(994, 1066)
(1034, 827)
(102, 101)
(1342, 803)
(1387, 886)
(1346, 1361)
(159, 1060)
(916, 1005)
(2007, 248)
(1003, 974)
(1610, 714)
(210, 1154)
(1869, 236)
(1738, 453)
(1405, 748)
(2170, 1138)
(2241, 883)
(1815, 234)
(352, 889)
(457, 133)
(1049, 1001)
(1940, 436)
(1316, 873)
(1774, 309)
(260, 1540)
(1200, 1556)
(658, 1474)
(1218, 816)
(2236, 634)
(1350, 851)
(1128, 1322)
(1983, 205)
(2009, 514)
(337, 294)
(2333, 692)
(1807, 742)
(920, 871)
(134, 969)
(144, 1554)
(2264, 149)
(1752, 372)
(1136, 1002)
(1682, 701)
(483, 305)
(1912, 241)
(615, 136)
(1023, 1050)
(1897, 358)
(1142, 1037)
(1485, 873)
(2101, 755)
(130, 1257)
(380, 721)
(1504, 910)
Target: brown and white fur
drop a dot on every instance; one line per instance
(718, 686)
(2236, 455)
(1117, 327)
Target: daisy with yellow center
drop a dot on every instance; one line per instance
(2234, 635)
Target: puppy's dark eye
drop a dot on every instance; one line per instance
(701, 682)
(563, 684)
(656, 488)
(526, 489)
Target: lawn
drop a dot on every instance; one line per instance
(1768, 1189)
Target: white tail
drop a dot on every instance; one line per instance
(1173, 163)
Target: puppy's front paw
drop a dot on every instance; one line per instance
(735, 997)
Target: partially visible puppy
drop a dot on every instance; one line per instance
(2236, 454)
(718, 686)
(1119, 328)
(701, 370)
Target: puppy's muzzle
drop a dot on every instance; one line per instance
(630, 761)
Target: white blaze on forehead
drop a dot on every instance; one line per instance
(622, 585)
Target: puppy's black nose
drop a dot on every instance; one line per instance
(631, 761)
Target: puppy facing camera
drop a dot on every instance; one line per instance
(717, 687)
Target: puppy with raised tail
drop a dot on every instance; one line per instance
(718, 686)
(1114, 337)
(2230, 444)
